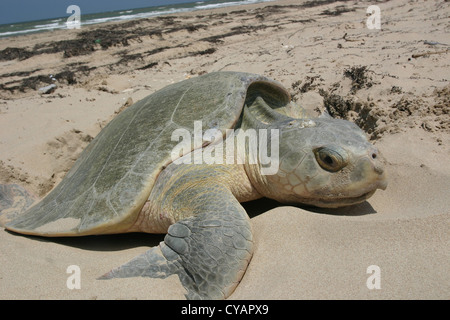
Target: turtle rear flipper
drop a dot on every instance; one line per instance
(209, 251)
(14, 200)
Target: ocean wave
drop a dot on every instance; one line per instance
(134, 16)
(16, 33)
(228, 4)
(60, 23)
(47, 26)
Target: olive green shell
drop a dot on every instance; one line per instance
(108, 185)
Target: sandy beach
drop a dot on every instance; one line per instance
(393, 82)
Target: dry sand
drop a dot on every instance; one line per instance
(401, 100)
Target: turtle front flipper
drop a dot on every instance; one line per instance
(209, 251)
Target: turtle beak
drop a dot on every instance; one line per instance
(382, 184)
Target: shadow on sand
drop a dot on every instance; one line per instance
(118, 242)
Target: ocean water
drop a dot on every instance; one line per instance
(16, 29)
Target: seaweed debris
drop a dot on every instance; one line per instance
(359, 76)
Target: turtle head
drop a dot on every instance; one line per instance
(324, 162)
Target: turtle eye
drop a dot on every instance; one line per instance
(331, 158)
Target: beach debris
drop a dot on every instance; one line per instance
(359, 77)
(426, 54)
(47, 89)
(337, 11)
(310, 83)
(15, 53)
(348, 39)
(351, 40)
(427, 126)
(106, 89)
(127, 103)
(287, 47)
(148, 66)
(435, 43)
(364, 114)
(396, 89)
(203, 52)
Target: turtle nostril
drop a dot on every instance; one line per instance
(374, 155)
(379, 169)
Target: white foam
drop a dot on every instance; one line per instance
(228, 4)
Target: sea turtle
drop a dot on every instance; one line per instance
(142, 174)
